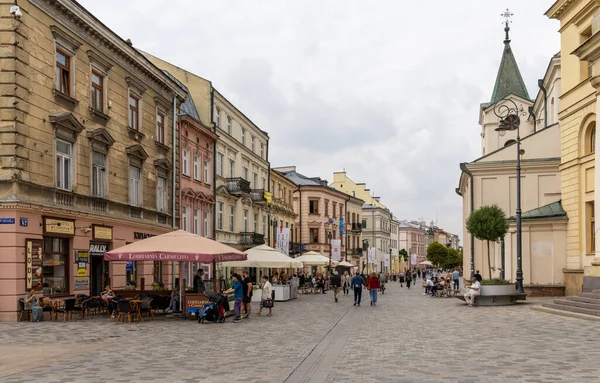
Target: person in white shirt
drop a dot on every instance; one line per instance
(266, 297)
(429, 286)
(473, 291)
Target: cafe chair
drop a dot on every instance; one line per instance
(146, 307)
(23, 310)
(82, 307)
(125, 308)
(47, 307)
(64, 307)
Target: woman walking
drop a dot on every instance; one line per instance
(266, 298)
(408, 280)
(346, 282)
(373, 285)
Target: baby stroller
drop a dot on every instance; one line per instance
(215, 309)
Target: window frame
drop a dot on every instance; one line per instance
(217, 117)
(97, 88)
(70, 157)
(196, 214)
(229, 125)
(101, 174)
(311, 235)
(197, 175)
(160, 127)
(60, 68)
(220, 212)
(133, 112)
(184, 218)
(207, 177)
(162, 200)
(138, 196)
(220, 158)
(185, 162)
(231, 219)
(206, 226)
(243, 136)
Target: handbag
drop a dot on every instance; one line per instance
(268, 303)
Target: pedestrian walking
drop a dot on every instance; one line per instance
(336, 282)
(238, 294)
(455, 277)
(401, 279)
(373, 285)
(346, 282)
(266, 298)
(357, 284)
(408, 280)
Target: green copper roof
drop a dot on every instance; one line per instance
(550, 211)
(508, 80)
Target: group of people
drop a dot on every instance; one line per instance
(242, 292)
(357, 283)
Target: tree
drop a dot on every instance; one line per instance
(404, 254)
(452, 260)
(488, 223)
(437, 253)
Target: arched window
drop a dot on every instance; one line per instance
(592, 140)
(509, 142)
(551, 112)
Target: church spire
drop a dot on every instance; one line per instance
(508, 80)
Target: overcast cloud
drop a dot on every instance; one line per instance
(388, 90)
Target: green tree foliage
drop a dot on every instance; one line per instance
(404, 254)
(488, 223)
(437, 253)
(452, 260)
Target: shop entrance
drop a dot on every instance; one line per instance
(98, 269)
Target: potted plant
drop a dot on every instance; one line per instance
(497, 286)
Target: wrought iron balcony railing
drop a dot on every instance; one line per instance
(356, 227)
(238, 186)
(252, 239)
(258, 196)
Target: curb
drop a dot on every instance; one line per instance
(547, 310)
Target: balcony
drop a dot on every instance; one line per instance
(356, 227)
(295, 248)
(258, 196)
(238, 186)
(251, 239)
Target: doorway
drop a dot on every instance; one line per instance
(97, 276)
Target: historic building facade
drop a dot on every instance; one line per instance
(580, 86)
(412, 239)
(281, 210)
(376, 226)
(84, 165)
(345, 184)
(354, 242)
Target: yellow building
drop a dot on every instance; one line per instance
(282, 209)
(580, 50)
(344, 184)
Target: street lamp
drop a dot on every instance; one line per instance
(509, 121)
(330, 236)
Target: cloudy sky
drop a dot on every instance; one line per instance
(388, 90)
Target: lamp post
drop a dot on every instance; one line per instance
(330, 236)
(509, 121)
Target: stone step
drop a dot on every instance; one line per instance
(567, 314)
(583, 300)
(583, 305)
(590, 295)
(572, 309)
(596, 291)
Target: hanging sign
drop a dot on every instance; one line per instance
(342, 226)
(283, 240)
(34, 263)
(413, 259)
(386, 260)
(102, 233)
(371, 253)
(336, 250)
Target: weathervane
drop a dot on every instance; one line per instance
(507, 15)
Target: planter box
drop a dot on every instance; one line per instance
(487, 290)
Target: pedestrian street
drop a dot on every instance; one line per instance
(407, 337)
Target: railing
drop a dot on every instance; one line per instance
(356, 227)
(135, 212)
(295, 248)
(258, 196)
(64, 198)
(251, 238)
(99, 205)
(238, 185)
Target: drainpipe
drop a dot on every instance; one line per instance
(268, 240)
(463, 167)
(212, 108)
(346, 231)
(543, 89)
(532, 113)
(173, 186)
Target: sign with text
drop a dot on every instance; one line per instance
(102, 233)
(82, 256)
(283, 240)
(81, 283)
(98, 248)
(7, 221)
(386, 260)
(413, 259)
(58, 226)
(342, 226)
(336, 250)
(33, 248)
(371, 254)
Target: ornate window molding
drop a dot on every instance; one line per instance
(66, 126)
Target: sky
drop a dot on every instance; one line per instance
(387, 90)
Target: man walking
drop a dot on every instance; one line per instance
(336, 282)
(408, 280)
(455, 275)
(357, 284)
(247, 286)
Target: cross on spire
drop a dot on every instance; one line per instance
(507, 15)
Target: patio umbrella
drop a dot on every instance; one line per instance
(313, 258)
(346, 264)
(266, 256)
(426, 263)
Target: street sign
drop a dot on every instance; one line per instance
(7, 221)
(24, 222)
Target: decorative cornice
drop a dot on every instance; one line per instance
(66, 120)
(99, 61)
(135, 84)
(102, 135)
(558, 8)
(64, 39)
(137, 151)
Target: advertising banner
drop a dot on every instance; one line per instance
(386, 260)
(283, 240)
(34, 263)
(413, 259)
(371, 253)
(336, 250)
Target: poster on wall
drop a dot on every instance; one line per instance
(34, 264)
(81, 283)
(413, 259)
(336, 250)
(371, 253)
(283, 240)
(386, 260)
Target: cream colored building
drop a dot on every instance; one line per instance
(580, 87)
(282, 210)
(344, 184)
(396, 264)
(354, 230)
(376, 225)
(491, 179)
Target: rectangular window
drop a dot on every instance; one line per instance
(161, 194)
(197, 168)
(231, 168)
(255, 181)
(219, 164)
(255, 223)
(220, 216)
(97, 91)
(264, 183)
(334, 209)
(591, 214)
(186, 162)
(218, 117)
(229, 125)
(207, 172)
(245, 220)
(134, 186)
(246, 174)
(134, 105)
(98, 175)
(252, 143)
(185, 216)
(262, 150)
(231, 218)
(326, 209)
(63, 70)
(313, 206)
(206, 225)
(314, 235)
(54, 268)
(197, 221)
(160, 128)
(364, 223)
(341, 211)
(243, 136)
(264, 225)
(64, 158)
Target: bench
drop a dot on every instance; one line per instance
(496, 300)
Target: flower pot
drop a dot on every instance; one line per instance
(496, 290)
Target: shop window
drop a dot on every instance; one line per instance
(55, 266)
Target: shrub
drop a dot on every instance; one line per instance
(496, 281)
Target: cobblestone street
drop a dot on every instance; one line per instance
(408, 337)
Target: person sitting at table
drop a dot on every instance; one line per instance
(429, 286)
(174, 303)
(275, 278)
(108, 296)
(32, 302)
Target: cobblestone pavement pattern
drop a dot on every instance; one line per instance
(408, 337)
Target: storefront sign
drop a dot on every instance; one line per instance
(194, 301)
(138, 235)
(98, 248)
(81, 283)
(24, 221)
(102, 233)
(82, 256)
(283, 240)
(268, 197)
(34, 276)
(58, 226)
(7, 221)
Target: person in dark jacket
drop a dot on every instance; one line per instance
(199, 282)
(357, 284)
(336, 283)
(408, 280)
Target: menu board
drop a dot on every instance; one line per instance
(34, 276)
